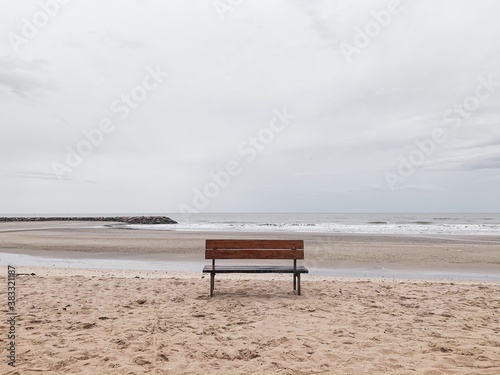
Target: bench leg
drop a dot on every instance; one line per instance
(296, 283)
(212, 283)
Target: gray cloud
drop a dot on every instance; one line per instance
(115, 41)
(39, 176)
(423, 187)
(22, 77)
(469, 160)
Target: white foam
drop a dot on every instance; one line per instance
(330, 228)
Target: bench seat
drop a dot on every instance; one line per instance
(254, 269)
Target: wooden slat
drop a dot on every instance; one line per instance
(255, 244)
(253, 254)
(255, 269)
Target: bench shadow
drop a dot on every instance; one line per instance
(260, 293)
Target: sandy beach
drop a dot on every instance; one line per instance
(88, 321)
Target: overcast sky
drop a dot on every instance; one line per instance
(249, 106)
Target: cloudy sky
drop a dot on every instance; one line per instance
(149, 106)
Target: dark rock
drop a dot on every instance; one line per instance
(120, 219)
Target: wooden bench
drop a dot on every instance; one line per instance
(255, 249)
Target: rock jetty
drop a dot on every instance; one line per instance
(120, 219)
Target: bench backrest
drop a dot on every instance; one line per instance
(254, 249)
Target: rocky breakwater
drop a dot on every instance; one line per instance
(120, 219)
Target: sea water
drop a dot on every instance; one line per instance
(431, 223)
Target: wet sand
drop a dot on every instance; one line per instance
(100, 240)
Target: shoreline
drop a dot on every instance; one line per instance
(193, 265)
(126, 273)
(112, 245)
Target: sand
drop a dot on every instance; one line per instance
(75, 321)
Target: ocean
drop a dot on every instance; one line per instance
(370, 223)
